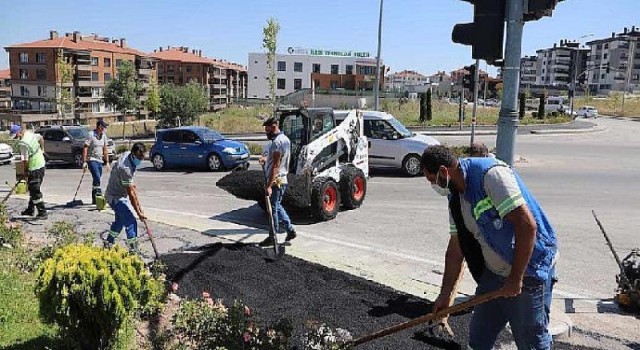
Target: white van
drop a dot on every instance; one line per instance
(393, 146)
(556, 104)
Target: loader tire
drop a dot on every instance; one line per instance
(353, 187)
(325, 199)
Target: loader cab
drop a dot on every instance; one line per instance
(304, 125)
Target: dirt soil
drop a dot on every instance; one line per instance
(301, 291)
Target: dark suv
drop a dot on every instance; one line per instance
(64, 143)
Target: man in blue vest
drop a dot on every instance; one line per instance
(515, 238)
(32, 151)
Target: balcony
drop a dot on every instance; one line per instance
(145, 71)
(87, 99)
(83, 67)
(89, 83)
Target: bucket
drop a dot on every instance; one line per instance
(22, 187)
(100, 202)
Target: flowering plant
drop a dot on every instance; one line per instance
(322, 337)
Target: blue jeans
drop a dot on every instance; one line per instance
(95, 168)
(279, 214)
(528, 314)
(124, 219)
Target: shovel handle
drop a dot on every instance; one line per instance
(477, 300)
(4, 200)
(150, 234)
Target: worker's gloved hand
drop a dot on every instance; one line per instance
(512, 287)
(142, 217)
(85, 166)
(443, 301)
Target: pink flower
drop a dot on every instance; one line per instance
(174, 287)
(246, 336)
(247, 311)
(206, 295)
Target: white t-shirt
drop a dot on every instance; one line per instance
(282, 145)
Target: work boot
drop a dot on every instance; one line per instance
(267, 242)
(28, 212)
(291, 235)
(42, 215)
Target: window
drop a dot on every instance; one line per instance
(24, 74)
(42, 91)
(171, 136)
(297, 84)
(189, 137)
(255, 77)
(107, 62)
(599, 47)
(297, 66)
(54, 135)
(107, 76)
(256, 62)
(41, 58)
(170, 68)
(24, 57)
(377, 129)
(602, 76)
(282, 84)
(24, 91)
(316, 83)
(606, 46)
(604, 57)
(188, 69)
(334, 69)
(349, 69)
(334, 84)
(94, 76)
(636, 76)
(41, 74)
(282, 66)
(118, 63)
(95, 107)
(94, 61)
(316, 67)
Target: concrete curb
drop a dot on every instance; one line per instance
(568, 131)
(559, 322)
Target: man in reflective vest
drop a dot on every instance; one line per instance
(32, 151)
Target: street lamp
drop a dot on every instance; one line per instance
(377, 87)
(574, 79)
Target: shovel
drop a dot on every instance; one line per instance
(150, 234)
(76, 202)
(6, 198)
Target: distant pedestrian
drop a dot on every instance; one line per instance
(95, 147)
(122, 197)
(33, 162)
(276, 164)
(516, 241)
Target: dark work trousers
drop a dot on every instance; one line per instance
(35, 195)
(95, 168)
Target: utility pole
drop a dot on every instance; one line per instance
(574, 78)
(377, 87)
(475, 100)
(508, 118)
(632, 47)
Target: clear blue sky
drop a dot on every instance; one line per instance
(416, 33)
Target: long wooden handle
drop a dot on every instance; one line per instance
(153, 242)
(477, 300)
(4, 200)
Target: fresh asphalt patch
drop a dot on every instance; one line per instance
(301, 291)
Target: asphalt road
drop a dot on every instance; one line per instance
(399, 236)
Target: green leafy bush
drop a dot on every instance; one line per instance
(255, 148)
(92, 293)
(208, 324)
(9, 234)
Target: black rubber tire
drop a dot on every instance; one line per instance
(77, 159)
(409, 165)
(319, 209)
(211, 162)
(158, 165)
(351, 199)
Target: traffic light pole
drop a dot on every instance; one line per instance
(475, 100)
(508, 119)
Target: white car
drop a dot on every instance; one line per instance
(587, 112)
(6, 153)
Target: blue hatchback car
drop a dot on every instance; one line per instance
(197, 147)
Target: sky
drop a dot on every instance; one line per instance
(416, 33)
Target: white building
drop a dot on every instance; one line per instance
(295, 70)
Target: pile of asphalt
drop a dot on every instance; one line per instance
(249, 185)
(301, 291)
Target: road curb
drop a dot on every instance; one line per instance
(560, 323)
(568, 131)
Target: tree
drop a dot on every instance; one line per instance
(428, 111)
(186, 102)
(499, 90)
(423, 108)
(64, 97)
(541, 112)
(124, 91)
(522, 104)
(270, 43)
(153, 98)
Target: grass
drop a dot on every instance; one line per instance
(235, 119)
(612, 105)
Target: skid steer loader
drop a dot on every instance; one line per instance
(328, 168)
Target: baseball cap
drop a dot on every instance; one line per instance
(270, 121)
(101, 123)
(14, 130)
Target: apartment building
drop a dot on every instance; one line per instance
(620, 52)
(556, 66)
(303, 68)
(37, 86)
(528, 70)
(459, 74)
(406, 78)
(224, 81)
(5, 90)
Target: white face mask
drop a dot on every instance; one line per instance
(440, 190)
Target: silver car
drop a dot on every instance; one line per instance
(393, 146)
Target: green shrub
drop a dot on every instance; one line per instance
(254, 148)
(121, 149)
(92, 294)
(9, 234)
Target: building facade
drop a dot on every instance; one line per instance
(558, 65)
(310, 68)
(528, 70)
(620, 52)
(38, 86)
(224, 81)
(5, 90)
(405, 79)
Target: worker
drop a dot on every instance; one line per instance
(516, 240)
(122, 197)
(276, 164)
(33, 162)
(95, 147)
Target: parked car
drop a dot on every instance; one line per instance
(197, 147)
(64, 144)
(392, 144)
(6, 153)
(587, 112)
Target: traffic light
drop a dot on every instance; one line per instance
(536, 9)
(485, 34)
(468, 81)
